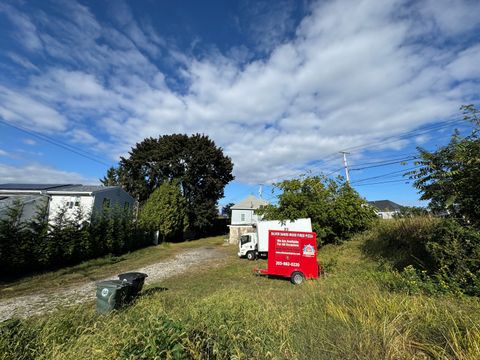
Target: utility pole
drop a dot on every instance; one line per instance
(345, 164)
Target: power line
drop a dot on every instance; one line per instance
(406, 135)
(384, 175)
(388, 159)
(58, 143)
(384, 164)
(385, 182)
(401, 136)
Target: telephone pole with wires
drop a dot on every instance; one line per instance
(345, 165)
(260, 191)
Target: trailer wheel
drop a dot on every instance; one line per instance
(250, 255)
(297, 278)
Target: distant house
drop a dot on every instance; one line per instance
(88, 198)
(244, 217)
(386, 209)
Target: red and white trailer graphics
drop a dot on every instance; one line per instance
(292, 254)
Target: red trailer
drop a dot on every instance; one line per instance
(292, 254)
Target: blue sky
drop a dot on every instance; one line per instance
(281, 86)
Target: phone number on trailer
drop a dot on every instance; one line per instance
(286, 263)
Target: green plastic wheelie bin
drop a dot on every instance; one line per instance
(111, 295)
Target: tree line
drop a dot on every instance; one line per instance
(37, 244)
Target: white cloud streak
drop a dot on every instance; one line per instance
(356, 70)
(39, 173)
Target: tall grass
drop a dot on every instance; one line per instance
(438, 255)
(227, 313)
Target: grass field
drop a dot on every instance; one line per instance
(100, 268)
(224, 311)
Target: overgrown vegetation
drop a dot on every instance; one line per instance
(337, 211)
(36, 244)
(431, 254)
(226, 312)
(439, 254)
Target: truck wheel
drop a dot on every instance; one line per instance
(250, 255)
(297, 278)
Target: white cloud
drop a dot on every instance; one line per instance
(29, 141)
(26, 31)
(22, 61)
(356, 71)
(452, 17)
(83, 136)
(3, 153)
(267, 23)
(39, 173)
(18, 108)
(466, 65)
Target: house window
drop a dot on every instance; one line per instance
(242, 217)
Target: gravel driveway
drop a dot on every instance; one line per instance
(28, 305)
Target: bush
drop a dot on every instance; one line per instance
(36, 244)
(429, 253)
(337, 211)
(455, 251)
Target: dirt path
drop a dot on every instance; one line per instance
(25, 306)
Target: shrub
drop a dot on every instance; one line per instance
(337, 211)
(36, 244)
(429, 252)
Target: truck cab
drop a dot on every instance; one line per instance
(247, 246)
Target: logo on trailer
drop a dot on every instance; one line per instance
(309, 251)
(104, 292)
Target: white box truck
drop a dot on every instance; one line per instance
(253, 245)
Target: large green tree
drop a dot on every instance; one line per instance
(195, 161)
(337, 211)
(450, 176)
(165, 211)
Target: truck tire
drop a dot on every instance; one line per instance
(297, 278)
(251, 255)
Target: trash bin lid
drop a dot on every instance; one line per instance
(132, 276)
(117, 284)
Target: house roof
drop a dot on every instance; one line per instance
(81, 189)
(7, 201)
(12, 186)
(385, 205)
(53, 188)
(250, 202)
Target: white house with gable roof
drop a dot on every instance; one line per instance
(244, 217)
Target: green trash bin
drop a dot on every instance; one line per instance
(136, 281)
(111, 295)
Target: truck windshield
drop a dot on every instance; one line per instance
(244, 239)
